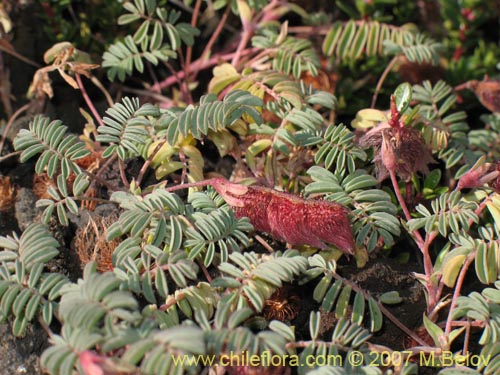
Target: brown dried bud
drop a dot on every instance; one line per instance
(487, 92)
(401, 149)
(288, 217)
(7, 193)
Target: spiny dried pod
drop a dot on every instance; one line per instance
(91, 245)
(41, 184)
(282, 305)
(288, 217)
(89, 204)
(7, 193)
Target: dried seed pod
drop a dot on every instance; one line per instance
(7, 193)
(402, 150)
(288, 217)
(488, 93)
(282, 305)
(41, 184)
(91, 245)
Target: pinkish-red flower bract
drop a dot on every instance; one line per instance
(288, 217)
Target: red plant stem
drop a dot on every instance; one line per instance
(199, 65)
(89, 102)
(185, 83)
(189, 185)
(10, 155)
(189, 49)
(150, 93)
(182, 157)
(382, 78)
(101, 181)
(458, 288)
(148, 162)
(5, 47)
(465, 267)
(105, 92)
(204, 270)
(13, 118)
(432, 287)
(106, 165)
(465, 349)
(213, 38)
(123, 176)
(247, 34)
(382, 308)
(418, 237)
(152, 73)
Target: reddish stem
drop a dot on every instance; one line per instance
(380, 82)
(432, 288)
(463, 271)
(89, 102)
(247, 34)
(213, 38)
(10, 122)
(123, 175)
(148, 162)
(189, 185)
(458, 288)
(189, 49)
(199, 65)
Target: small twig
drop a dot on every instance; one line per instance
(264, 243)
(89, 102)
(106, 165)
(152, 74)
(8, 156)
(199, 65)
(463, 271)
(45, 326)
(382, 78)
(311, 30)
(189, 49)
(182, 157)
(213, 38)
(175, 74)
(204, 270)
(103, 182)
(465, 349)
(404, 207)
(123, 175)
(185, 83)
(147, 163)
(4, 46)
(458, 288)
(382, 308)
(189, 185)
(150, 93)
(105, 92)
(171, 301)
(247, 34)
(423, 245)
(11, 122)
(93, 199)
